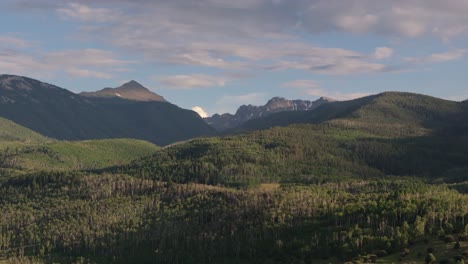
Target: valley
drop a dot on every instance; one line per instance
(377, 179)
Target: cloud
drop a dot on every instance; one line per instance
(400, 18)
(312, 88)
(383, 53)
(192, 81)
(89, 63)
(86, 13)
(87, 57)
(260, 34)
(247, 18)
(88, 73)
(447, 56)
(202, 33)
(335, 95)
(202, 113)
(14, 62)
(439, 57)
(9, 41)
(302, 84)
(357, 23)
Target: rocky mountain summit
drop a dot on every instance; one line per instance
(274, 105)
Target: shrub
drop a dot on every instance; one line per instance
(448, 239)
(446, 261)
(381, 253)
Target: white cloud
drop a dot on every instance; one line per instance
(439, 57)
(23, 64)
(85, 13)
(88, 74)
(201, 33)
(335, 95)
(89, 63)
(253, 18)
(383, 53)
(302, 84)
(202, 113)
(448, 56)
(192, 81)
(261, 34)
(400, 18)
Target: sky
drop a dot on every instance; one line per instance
(215, 55)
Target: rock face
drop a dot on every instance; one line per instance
(249, 112)
(131, 91)
(58, 113)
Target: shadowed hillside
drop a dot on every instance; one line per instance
(61, 114)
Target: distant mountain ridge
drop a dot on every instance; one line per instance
(131, 90)
(250, 112)
(58, 113)
(391, 133)
(409, 113)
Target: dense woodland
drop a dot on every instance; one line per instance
(382, 179)
(118, 218)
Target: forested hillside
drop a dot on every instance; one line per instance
(388, 134)
(382, 179)
(121, 219)
(391, 114)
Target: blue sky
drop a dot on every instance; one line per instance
(219, 54)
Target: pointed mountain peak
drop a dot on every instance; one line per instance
(132, 85)
(131, 90)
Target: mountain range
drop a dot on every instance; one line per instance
(391, 133)
(330, 184)
(249, 112)
(129, 111)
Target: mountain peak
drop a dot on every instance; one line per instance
(274, 105)
(131, 90)
(132, 85)
(326, 99)
(276, 99)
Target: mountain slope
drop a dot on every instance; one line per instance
(61, 114)
(386, 134)
(131, 91)
(390, 112)
(75, 155)
(343, 190)
(249, 112)
(10, 131)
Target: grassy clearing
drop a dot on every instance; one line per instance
(77, 155)
(12, 132)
